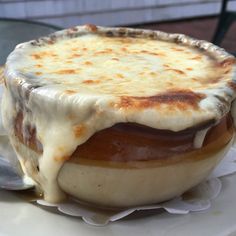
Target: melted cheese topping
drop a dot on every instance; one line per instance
(80, 81)
(199, 138)
(94, 64)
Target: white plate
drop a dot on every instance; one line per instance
(20, 218)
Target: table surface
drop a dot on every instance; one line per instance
(13, 32)
(18, 217)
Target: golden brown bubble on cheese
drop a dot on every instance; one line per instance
(182, 99)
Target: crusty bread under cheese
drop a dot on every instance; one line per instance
(78, 81)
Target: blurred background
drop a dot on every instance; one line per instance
(197, 18)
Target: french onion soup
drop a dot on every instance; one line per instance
(118, 117)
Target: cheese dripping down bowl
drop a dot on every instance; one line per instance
(118, 117)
